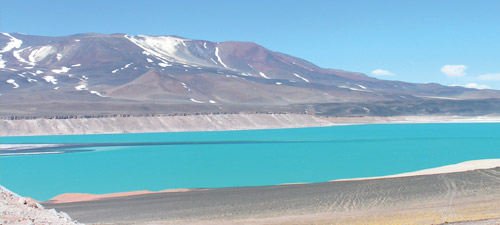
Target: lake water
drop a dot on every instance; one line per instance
(158, 161)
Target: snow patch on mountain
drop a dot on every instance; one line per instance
(62, 70)
(185, 86)
(59, 56)
(164, 48)
(304, 79)
(40, 53)
(218, 57)
(17, 55)
(264, 75)
(164, 64)
(13, 82)
(76, 65)
(81, 87)
(14, 43)
(97, 93)
(194, 100)
(126, 66)
(361, 86)
(50, 79)
(2, 62)
(39, 72)
(149, 60)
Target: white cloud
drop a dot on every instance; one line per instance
(380, 72)
(491, 76)
(454, 70)
(473, 85)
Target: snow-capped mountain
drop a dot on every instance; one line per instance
(121, 73)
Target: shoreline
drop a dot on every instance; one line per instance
(437, 199)
(211, 122)
(452, 168)
(447, 169)
(83, 197)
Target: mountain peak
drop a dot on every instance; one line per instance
(174, 70)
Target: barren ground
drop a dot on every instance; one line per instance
(429, 199)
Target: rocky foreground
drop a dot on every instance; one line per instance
(15, 209)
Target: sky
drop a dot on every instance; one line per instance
(451, 42)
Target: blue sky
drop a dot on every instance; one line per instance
(448, 42)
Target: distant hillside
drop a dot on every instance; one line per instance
(88, 74)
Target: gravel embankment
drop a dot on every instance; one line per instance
(142, 124)
(429, 199)
(18, 210)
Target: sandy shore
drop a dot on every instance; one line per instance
(82, 197)
(412, 119)
(218, 122)
(29, 149)
(453, 193)
(460, 167)
(425, 199)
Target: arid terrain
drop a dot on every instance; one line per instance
(117, 83)
(206, 122)
(428, 199)
(105, 74)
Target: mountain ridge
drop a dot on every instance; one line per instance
(220, 76)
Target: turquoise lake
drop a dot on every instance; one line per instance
(158, 161)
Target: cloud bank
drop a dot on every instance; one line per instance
(477, 86)
(453, 71)
(380, 72)
(491, 76)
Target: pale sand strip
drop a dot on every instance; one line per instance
(341, 121)
(460, 167)
(81, 197)
(15, 147)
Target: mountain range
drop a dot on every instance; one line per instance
(89, 74)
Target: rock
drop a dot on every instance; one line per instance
(15, 209)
